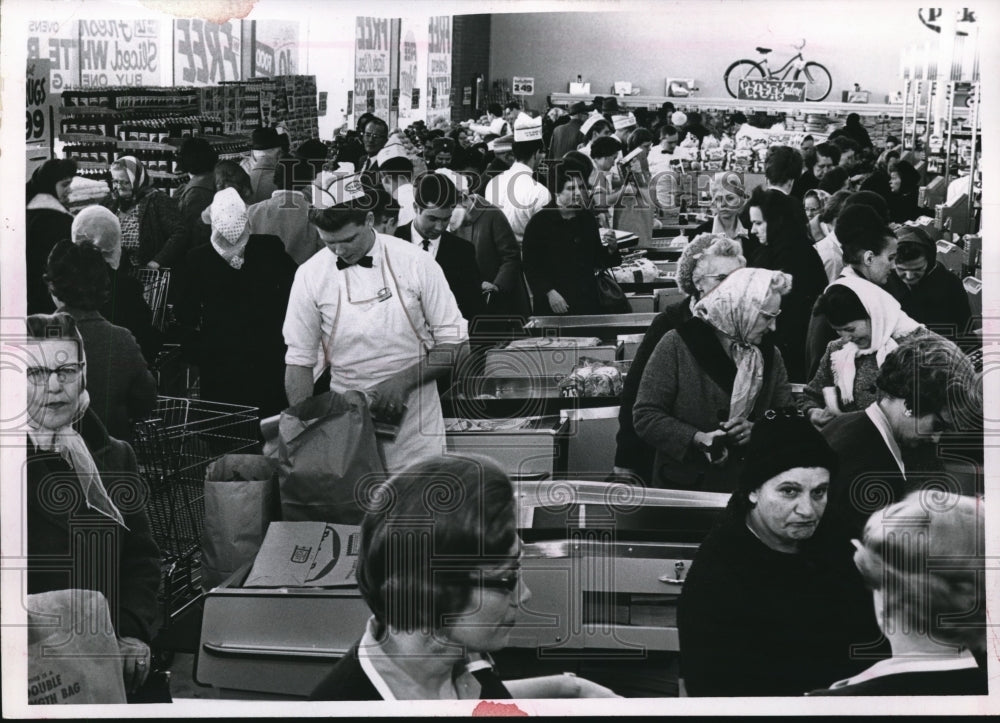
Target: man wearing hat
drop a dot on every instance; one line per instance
(568, 136)
(286, 213)
(378, 311)
(503, 156)
(265, 149)
(515, 191)
(624, 123)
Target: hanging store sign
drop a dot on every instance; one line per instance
(119, 52)
(523, 86)
(778, 91)
(276, 48)
(59, 44)
(371, 67)
(439, 68)
(206, 53)
(40, 102)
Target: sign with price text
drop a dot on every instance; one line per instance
(778, 91)
(41, 102)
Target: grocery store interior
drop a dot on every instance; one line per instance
(702, 315)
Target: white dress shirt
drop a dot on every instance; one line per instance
(518, 195)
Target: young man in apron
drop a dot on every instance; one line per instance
(379, 312)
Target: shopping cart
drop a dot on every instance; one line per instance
(155, 285)
(174, 447)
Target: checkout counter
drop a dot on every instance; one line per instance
(605, 564)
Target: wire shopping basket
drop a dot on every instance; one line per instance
(155, 285)
(174, 447)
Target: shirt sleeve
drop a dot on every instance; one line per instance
(444, 320)
(303, 323)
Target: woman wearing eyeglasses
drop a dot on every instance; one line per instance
(709, 379)
(86, 521)
(772, 603)
(439, 567)
(926, 387)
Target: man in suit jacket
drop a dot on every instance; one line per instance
(435, 197)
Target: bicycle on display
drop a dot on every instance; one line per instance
(817, 78)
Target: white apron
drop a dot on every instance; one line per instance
(371, 340)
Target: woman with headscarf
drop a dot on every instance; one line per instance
(122, 386)
(779, 223)
(233, 309)
(869, 324)
(78, 479)
(125, 305)
(153, 232)
(709, 378)
(904, 182)
(704, 264)
(772, 605)
(48, 222)
(814, 202)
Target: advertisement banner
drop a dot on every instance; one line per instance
(439, 68)
(58, 43)
(206, 53)
(41, 102)
(276, 48)
(119, 52)
(371, 67)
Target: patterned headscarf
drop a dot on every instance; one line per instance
(101, 227)
(139, 177)
(733, 308)
(888, 322)
(230, 230)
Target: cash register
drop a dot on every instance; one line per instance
(605, 563)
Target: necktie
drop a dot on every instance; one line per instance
(427, 245)
(365, 261)
(490, 684)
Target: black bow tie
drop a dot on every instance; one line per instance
(365, 261)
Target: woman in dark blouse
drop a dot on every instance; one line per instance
(563, 250)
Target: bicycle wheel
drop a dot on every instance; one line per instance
(818, 81)
(738, 71)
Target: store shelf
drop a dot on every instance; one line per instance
(893, 110)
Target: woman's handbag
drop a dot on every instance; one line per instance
(328, 459)
(610, 295)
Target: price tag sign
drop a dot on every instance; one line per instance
(779, 91)
(40, 102)
(524, 86)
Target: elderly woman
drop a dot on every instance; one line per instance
(562, 249)
(870, 324)
(122, 388)
(729, 217)
(233, 309)
(779, 223)
(444, 585)
(813, 202)
(153, 232)
(704, 264)
(48, 222)
(915, 601)
(125, 305)
(708, 379)
(772, 604)
(926, 386)
(78, 480)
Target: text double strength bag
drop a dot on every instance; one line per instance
(328, 458)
